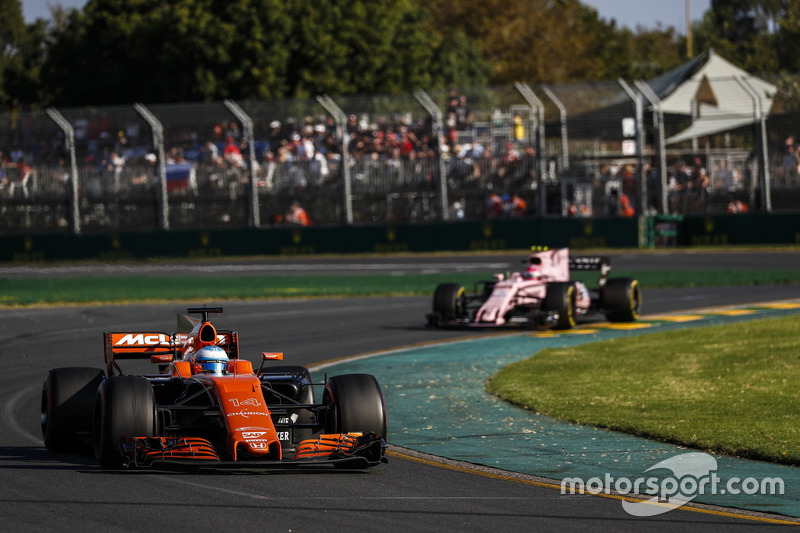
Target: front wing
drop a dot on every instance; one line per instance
(350, 449)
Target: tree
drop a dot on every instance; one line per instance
(744, 32)
(377, 46)
(542, 41)
(21, 56)
(124, 51)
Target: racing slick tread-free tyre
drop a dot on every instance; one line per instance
(125, 406)
(560, 298)
(448, 301)
(355, 404)
(67, 400)
(622, 299)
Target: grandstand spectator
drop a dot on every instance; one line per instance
(175, 156)
(722, 178)
(619, 204)
(232, 154)
(791, 159)
(516, 207)
(677, 186)
(297, 215)
(509, 162)
(495, 207)
(457, 210)
(275, 136)
(233, 131)
(736, 207)
(463, 114)
(22, 186)
(699, 186)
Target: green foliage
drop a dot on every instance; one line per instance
(729, 389)
(20, 56)
(746, 33)
(123, 51)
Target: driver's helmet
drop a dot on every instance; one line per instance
(211, 360)
(532, 272)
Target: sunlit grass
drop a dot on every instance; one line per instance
(730, 389)
(116, 289)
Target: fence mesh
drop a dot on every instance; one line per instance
(577, 149)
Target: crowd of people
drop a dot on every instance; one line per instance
(392, 153)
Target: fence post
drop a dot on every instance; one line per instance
(537, 105)
(158, 146)
(564, 130)
(341, 121)
(640, 141)
(658, 124)
(254, 218)
(761, 143)
(437, 126)
(69, 135)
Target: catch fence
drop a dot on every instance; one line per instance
(582, 150)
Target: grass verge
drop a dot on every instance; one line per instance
(729, 389)
(118, 289)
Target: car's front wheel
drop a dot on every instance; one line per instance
(355, 404)
(449, 301)
(560, 301)
(125, 406)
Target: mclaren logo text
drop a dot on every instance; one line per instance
(139, 339)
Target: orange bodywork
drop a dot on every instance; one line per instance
(326, 445)
(246, 416)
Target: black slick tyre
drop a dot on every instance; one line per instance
(622, 299)
(124, 407)
(560, 300)
(67, 400)
(449, 301)
(355, 404)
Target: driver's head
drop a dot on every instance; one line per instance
(211, 360)
(532, 272)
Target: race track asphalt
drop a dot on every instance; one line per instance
(69, 492)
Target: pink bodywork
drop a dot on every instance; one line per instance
(518, 290)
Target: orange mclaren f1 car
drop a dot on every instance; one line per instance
(205, 405)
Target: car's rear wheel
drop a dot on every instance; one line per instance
(67, 399)
(560, 300)
(125, 406)
(449, 301)
(622, 299)
(355, 404)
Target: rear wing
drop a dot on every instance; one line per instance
(592, 262)
(157, 346)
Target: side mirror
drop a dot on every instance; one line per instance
(272, 356)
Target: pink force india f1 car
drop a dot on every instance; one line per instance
(206, 406)
(541, 295)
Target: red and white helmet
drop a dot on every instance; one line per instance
(532, 272)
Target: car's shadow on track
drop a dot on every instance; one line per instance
(38, 457)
